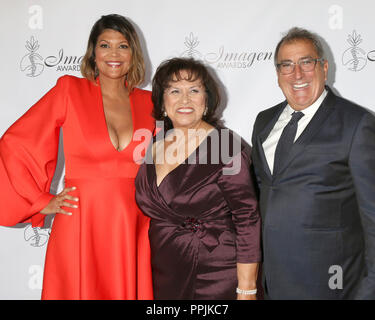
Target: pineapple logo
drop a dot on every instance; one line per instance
(354, 58)
(32, 62)
(191, 43)
(36, 236)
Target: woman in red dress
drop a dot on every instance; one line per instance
(98, 248)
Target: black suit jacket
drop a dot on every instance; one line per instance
(319, 210)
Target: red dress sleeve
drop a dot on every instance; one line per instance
(28, 156)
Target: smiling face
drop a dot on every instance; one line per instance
(185, 102)
(301, 89)
(113, 55)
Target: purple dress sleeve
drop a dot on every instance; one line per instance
(238, 191)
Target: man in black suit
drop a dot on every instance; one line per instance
(314, 158)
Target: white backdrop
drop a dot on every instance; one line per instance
(45, 39)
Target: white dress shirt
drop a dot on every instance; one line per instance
(270, 144)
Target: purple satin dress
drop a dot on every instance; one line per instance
(202, 223)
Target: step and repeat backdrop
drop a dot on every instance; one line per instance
(46, 39)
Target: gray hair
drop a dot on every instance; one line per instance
(296, 33)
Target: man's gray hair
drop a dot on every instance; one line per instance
(296, 33)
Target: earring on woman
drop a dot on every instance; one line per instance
(96, 71)
(165, 114)
(205, 111)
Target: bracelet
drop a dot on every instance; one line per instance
(246, 291)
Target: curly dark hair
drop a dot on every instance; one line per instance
(169, 71)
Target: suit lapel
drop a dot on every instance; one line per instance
(311, 130)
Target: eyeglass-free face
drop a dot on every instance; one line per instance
(113, 55)
(301, 87)
(185, 101)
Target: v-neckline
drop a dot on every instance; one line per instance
(195, 151)
(101, 107)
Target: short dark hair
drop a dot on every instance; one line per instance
(170, 70)
(118, 23)
(295, 34)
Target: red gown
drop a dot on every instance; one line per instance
(102, 250)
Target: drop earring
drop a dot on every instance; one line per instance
(96, 71)
(205, 111)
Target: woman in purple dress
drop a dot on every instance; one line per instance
(196, 186)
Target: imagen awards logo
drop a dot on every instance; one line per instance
(224, 59)
(32, 63)
(354, 58)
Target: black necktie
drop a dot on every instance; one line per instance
(286, 141)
